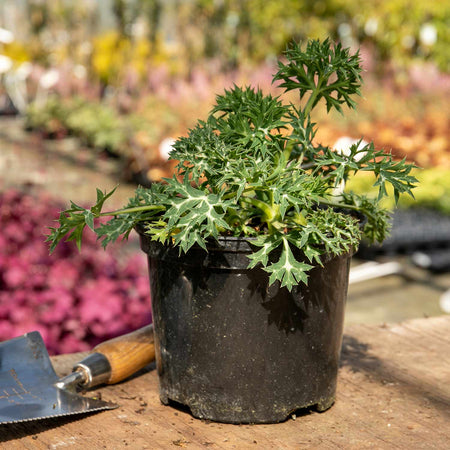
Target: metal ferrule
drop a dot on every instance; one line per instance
(95, 368)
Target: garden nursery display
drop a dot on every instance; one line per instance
(249, 243)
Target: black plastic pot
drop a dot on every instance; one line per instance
(233, 349)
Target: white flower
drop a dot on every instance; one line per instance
(5, 64)
(428, 34)
(49, 79)
(165, 147)
(6, 37)
(371, 26)
(344, 143)
(343, 146)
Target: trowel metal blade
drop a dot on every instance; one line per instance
(27, 384)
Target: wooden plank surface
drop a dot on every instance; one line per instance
(393, 393)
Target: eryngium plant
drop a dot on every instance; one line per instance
(251, 170)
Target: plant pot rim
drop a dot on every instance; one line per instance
(223, 244)
(234, 244)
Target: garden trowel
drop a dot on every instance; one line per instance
(30, 388)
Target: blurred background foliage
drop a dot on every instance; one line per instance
(108, 35)
(127, 76)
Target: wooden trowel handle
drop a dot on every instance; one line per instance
(115, 360)
(128, 353)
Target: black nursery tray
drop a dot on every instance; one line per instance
(415, 231)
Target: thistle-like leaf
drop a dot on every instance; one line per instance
(287, 270)
(268, 243)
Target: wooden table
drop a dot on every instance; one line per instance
(393, 393)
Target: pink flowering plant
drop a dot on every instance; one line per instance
(75, 300)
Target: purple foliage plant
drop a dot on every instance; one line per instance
(75, 300)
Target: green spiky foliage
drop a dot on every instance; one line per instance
(251, 170)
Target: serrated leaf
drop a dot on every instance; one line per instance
(101, 198)
(287, 270)
(268, 243)
(89, 219)
(116, 227)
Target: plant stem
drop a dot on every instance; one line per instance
(338, 205)
(132, 210)
(261, 205)
(315, 92)
(233, 194)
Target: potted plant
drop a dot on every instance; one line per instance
(249, 244)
